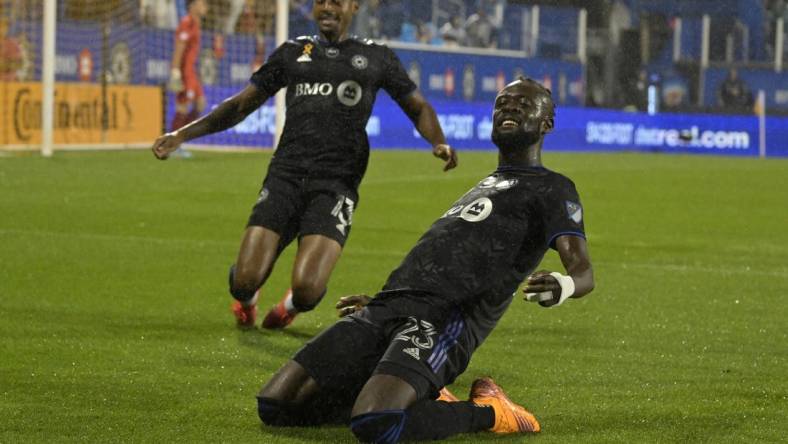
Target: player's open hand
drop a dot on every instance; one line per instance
(165, 145)
(446, 153)
(542, 288)
(348, 305)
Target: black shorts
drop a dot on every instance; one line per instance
(295, 206)
(425, 344)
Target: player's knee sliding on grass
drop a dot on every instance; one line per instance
(311, 189)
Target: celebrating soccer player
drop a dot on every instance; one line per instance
(382, 365)
(184, 79)
(310, 191)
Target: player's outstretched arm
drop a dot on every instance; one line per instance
(423, 116)
(228, 114)
(550, 289)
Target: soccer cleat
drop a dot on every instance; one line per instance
(278, 317)
(509, 417)
(447, 396)
(245, 317)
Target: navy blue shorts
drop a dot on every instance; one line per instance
(295, 206)
(408, 336)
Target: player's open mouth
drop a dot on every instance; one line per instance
(328, 21)
(509, 123)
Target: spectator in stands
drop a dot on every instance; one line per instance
(452, 32)
(480, 30)
(10, 53)
(159, 13)
(426, 33)
(394, 13)
(734, 95)
(367, 21)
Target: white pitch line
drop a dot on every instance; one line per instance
(685, 268)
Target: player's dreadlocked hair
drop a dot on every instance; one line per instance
(547, 95)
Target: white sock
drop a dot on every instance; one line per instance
(253, 301)
(289, 302)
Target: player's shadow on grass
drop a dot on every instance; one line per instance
(342, 434)
(276, 343)
(332, 433)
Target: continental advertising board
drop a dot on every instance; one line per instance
(133, 114)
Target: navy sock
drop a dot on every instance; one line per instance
(424, 420)
(430, 420)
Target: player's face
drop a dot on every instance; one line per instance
(333, 17)
(519, 116)
(200, 8)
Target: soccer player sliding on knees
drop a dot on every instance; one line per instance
(381, 368)
(311, 189)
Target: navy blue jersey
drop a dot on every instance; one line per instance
(331, 88)
(477, 254)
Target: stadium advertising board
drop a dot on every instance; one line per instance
(468, 126)
(134, 114)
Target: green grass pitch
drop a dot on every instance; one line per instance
(115, 323)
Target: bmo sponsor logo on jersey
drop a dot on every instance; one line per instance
(313, 89)
(349, 92)
(476, 211)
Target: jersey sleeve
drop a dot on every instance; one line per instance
(395, 80)
(272, 76)
(563, 213)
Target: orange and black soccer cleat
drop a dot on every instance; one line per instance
(509, 417)
(278, 317)
(447, 396)
(245, 317)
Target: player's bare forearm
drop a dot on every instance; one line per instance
(228, 114)
(424, 118)
(574, 256)
(551, 289)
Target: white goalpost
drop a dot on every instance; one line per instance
(282, 32)
(48, 79)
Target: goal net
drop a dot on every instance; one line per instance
(114, 63)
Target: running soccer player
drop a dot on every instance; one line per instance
(184, 79)
(381, 366)
(310, 191)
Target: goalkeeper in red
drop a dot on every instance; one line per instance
(311, 189)
(184, 78)
(381, 366)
